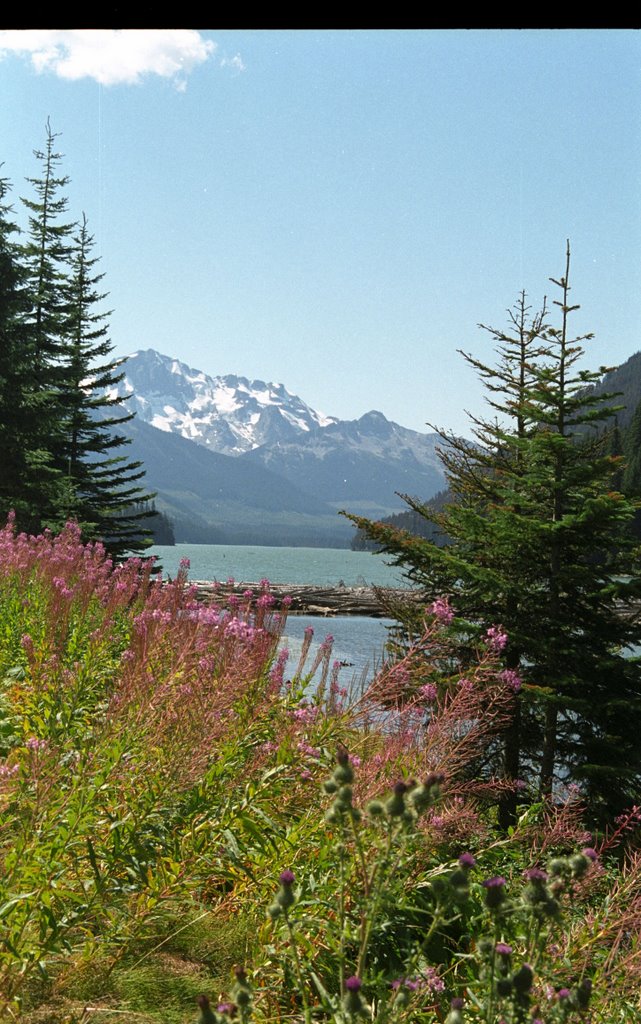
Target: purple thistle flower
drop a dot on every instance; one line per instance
(457, 1003)
(590, 853)
(503, 949)
(353, 984)
(466, 860)
(494, 883)
(287, 877)
(535, 875)
(563, 993)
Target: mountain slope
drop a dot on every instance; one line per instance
(219, 499)
(626, 380)
(360, 463)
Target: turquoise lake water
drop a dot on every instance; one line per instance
(249, 563)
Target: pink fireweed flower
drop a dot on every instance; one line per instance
(428, 692)
(441, 610)
(511, 678)
(277, 672)
(185, 563)
(306, 748)
(496, 639)
(305, 714)
(34, 743)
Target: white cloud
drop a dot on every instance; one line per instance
(233, 62)
(110, 56)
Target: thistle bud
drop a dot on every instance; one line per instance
(242, 991)
(395, 806)
(352, 1000)
(523, 979)
(494, 892)
(285, 897)
(206, 1012)
(455, 1015)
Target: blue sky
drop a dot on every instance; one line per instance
(337, 210)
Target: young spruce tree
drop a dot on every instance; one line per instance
(541, 543)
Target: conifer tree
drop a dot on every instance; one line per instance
(103, 486)
(540, 543)
(44, 257)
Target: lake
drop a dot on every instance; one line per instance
(250, 563)
(358, 640)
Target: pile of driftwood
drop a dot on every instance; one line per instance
(307, 599)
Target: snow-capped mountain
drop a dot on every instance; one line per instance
(228, 414)
(247, 459)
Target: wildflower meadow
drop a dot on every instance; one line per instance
(190, 831)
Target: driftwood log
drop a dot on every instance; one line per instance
(309, 599)
(306, 599)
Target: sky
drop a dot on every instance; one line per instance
(339, 210)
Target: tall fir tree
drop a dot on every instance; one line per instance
(541, 543)
(104, 486)
(44, 257)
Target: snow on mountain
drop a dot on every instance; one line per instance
(228, 414)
